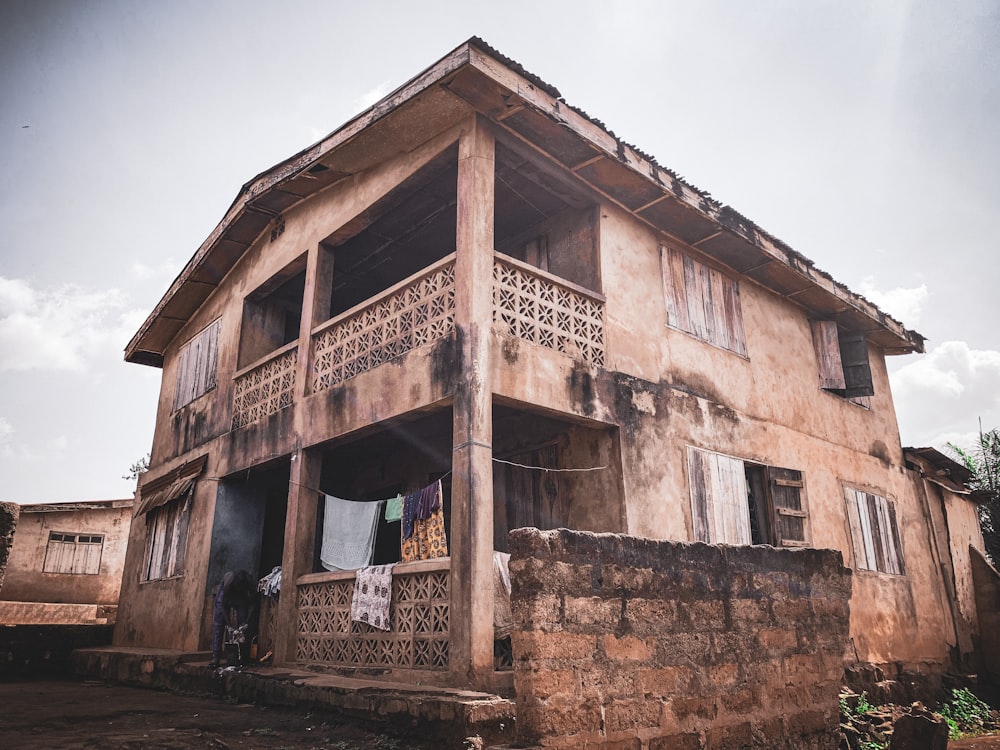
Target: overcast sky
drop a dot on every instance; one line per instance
(864, 134)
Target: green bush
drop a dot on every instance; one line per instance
(965, 714)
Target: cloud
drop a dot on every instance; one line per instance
(167, 270)
(371, 96)
(941, 396)
(6, 431)
(906, 305)
(63, 328)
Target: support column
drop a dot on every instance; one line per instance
(471, 620)
(300, 542)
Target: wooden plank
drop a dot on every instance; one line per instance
(876, 531)
(677, 274)
(720, 319)
(699, 484)
(826, 342)
(896, 541)
(669, 286)
(734, 317)
(857, 528)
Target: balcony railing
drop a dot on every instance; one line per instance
(265, 387)
(539, 307)
(417, 311)
(419, 615)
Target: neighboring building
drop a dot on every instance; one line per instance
(473, 277)
(66, 563)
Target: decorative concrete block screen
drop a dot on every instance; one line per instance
(266, 389)
(537, 307)
(419, 615)
(630, 643)
(416, 312)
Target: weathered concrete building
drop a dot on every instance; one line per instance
(66, 563)
(476, 283)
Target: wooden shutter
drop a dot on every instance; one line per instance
(197, 366)
(857, 369)
(719, 508)
(857, 532)
(702, 301)
(790, 516)
(826, 342)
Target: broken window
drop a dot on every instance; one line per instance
(166, 539)
(842, 361)
(197, 364)
(874, 532)
(78, 554)
(702, 301)
(739, 502)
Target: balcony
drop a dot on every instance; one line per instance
(414, 312)
(265, 387)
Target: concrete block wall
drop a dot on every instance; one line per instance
(635, 644)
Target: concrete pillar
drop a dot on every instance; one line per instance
(300, 538)
(471, 621)
(315, 310)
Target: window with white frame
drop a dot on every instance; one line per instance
(166, 539)
(78, 554)
(874, 532)
(197, 364)
(741, 502)
(702, 301)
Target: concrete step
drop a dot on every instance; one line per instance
(395, 708)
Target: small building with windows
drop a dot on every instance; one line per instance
(475, 287)
(66, 561)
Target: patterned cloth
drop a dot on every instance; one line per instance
(372, 596)
(428, 539)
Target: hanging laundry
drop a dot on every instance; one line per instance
(270, 585)
(348, 533)
(503, 620)
(372, 596)
(428, 539)
(394, 509)
(410, 503)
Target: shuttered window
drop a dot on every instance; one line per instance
(739, 502)
(166, 539)
(702, 301)
(874, 532)
(198, 361)
(78, 554)
(842, 360)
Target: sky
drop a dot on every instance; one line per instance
(866, 135)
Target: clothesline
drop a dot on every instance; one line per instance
(496, 460)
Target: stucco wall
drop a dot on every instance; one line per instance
(27, 582)
(622, 642)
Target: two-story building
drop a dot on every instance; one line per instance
(475, 282)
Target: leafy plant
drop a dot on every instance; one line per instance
(965, 714)
(983, 460)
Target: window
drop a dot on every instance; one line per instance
(198, 362)
(166, 539)
(79, 554)
(874, 532)
(739, 502)
(702, 301)
(272, 314)
(842, 361)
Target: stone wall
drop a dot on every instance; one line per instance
(629, 643)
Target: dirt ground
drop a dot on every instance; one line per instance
(50, 714)
(44, 714)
